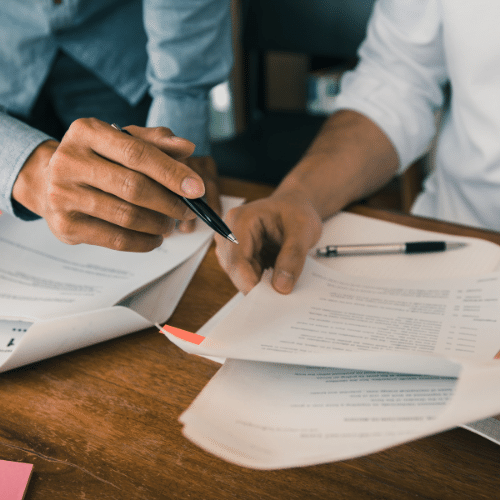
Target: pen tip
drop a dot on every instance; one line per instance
(455, 245)
(232, 238)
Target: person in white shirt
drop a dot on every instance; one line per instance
(385, 120)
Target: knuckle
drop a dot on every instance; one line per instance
(56, 199)
(120, 242)
(76, 127)
(162, 132)
(124, 242)
(133, 186)
(126, 215)
(57, 162)
(134, 151)
(93, 205)
(81, 125)
(62, 226)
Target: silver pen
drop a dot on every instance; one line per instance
(388, 248)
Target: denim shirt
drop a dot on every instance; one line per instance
(176, 49)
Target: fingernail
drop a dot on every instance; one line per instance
(283, 282)
(193, 187)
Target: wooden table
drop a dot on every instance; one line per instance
(101, 423)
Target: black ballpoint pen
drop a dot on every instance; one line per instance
(385, 248)
(200, 207)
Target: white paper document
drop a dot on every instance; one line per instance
(354, 360)
(67, 297)
(337, 320)
(41, 277)
(269, 416)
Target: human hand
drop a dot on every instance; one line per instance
(277, 232)
(206, 168)
(102, 187)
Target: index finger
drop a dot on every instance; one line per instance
(164, 139)
(239, 268)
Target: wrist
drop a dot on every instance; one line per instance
(350, 158)
(31, 178)
(296, 187)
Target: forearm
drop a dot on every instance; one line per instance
(350, 158)
(189, 50)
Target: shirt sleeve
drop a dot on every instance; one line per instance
(189, 51)
(399, 80)
(17, 142)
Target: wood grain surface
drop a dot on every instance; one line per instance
(101, 423)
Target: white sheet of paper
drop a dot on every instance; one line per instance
(41, 277)
(478, 257)
(71, 297)
(266, 415)
(269, 416)
(343, 321)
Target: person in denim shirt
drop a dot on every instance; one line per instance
(69, 68)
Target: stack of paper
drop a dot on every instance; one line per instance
(55, 298)
(366, 353)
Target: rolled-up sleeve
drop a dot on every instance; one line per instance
(17, 142)
(189, 50)
(399, 80)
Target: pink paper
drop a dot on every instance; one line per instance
(14, 478)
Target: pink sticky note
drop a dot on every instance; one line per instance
(14, 478)
(194, 338)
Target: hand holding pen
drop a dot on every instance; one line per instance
(102, 187)
(200, 207)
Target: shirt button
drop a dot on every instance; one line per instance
(58, 2)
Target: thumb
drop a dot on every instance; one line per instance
(289, 265)
(299, 236)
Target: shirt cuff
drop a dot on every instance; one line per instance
(186, 116)
(17, 142)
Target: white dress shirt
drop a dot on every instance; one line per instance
(413, 48)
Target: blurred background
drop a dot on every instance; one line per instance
(289, 56)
